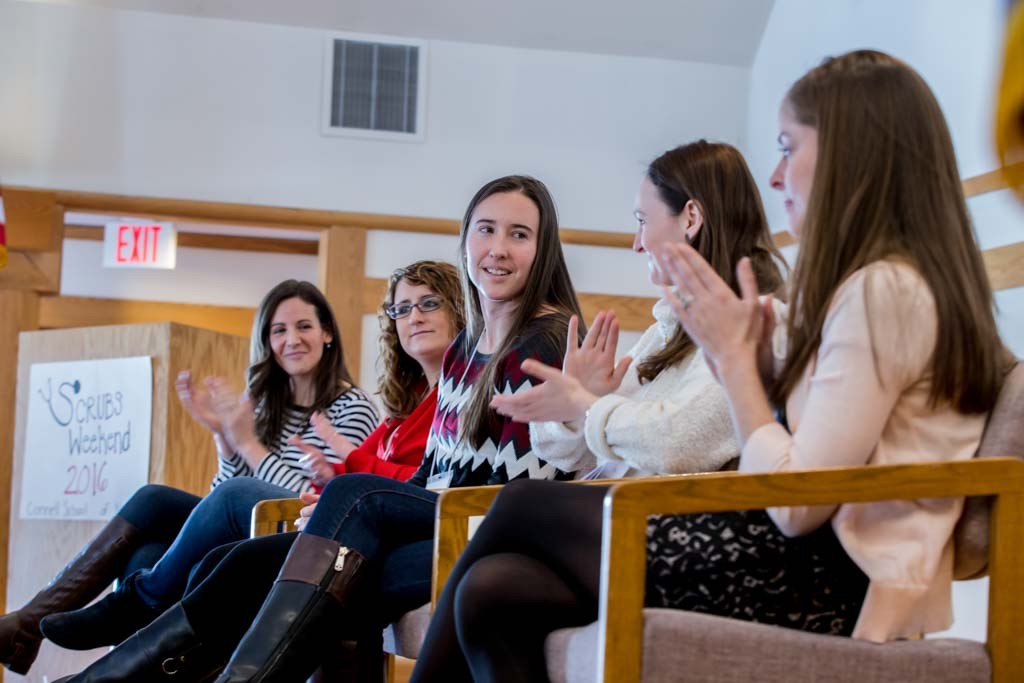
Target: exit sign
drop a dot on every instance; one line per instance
(139, 245)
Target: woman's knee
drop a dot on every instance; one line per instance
(480, 591)
(157, 500)
(349, 490)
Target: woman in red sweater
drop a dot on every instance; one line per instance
(421, 314)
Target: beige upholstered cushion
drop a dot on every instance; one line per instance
(405, 637)
(1004, 435)
(686, 647)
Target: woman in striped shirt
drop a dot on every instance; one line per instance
(297, 370)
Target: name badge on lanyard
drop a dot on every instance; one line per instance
(441, 480)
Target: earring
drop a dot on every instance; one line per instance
(328, 345)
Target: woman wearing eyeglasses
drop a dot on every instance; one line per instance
(364, 558)
(421, 314)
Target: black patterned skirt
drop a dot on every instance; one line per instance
(739, 565)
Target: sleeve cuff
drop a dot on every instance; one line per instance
(594, 427)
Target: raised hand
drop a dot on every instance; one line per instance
(326, 431)
(589, 372)
(310, 499)
(314, 461)
(728, 328)
(235, 411)
(593, 361)
(197, 402)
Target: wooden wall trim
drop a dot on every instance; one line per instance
(34, 219)
(341, 263)
(57, 312)
(993, 181)
(1004, 266)
(37, 271)
(634, 312)
(20, 313)
(318, 219)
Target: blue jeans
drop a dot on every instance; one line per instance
(221, 517)
(391, 523)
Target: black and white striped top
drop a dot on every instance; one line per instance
(353, 414)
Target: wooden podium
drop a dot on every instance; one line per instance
(181, 452)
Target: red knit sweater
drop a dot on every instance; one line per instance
(395, 449)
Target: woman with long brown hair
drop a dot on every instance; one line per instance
(659, 410)
(296, 370)
(892, 356)
(365, 554)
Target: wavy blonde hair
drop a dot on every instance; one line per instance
(401, 381)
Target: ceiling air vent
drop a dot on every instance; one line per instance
(374, 88)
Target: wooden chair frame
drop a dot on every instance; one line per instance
(630, 501)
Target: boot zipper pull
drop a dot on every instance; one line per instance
(339, 563)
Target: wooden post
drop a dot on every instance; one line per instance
(342, 271)
(19, 311)
(35, 221)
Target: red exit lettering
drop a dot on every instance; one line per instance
(142, 240)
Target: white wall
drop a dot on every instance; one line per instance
(175, 106)
(956, 47)
(159, 105)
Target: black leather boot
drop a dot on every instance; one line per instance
(76, 585)
(107, 622)
(316, 581)
(167, 649)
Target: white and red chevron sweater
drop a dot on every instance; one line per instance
(506, 454)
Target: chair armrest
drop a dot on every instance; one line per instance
(628, 504)
(451, 524)
(269, 515)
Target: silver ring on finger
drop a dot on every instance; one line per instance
(686, 300)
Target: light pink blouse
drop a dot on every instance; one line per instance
(864, 399)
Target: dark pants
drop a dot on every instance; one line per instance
(179, 529)
(389, 522)
(534, 566)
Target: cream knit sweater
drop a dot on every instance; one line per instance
(677, 423)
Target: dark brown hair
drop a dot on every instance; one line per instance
(268, 384)
(715, 177)
(548, 290)
(402, 381)
(886, 186)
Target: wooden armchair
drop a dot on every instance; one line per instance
(629, 643)
(455, 508)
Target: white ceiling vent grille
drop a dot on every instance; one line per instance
(374, 88)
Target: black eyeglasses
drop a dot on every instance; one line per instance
(426, 305)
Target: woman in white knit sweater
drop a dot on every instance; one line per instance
(659, 410)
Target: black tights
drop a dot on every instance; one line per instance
(532, 567)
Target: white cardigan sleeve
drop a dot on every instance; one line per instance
(689, 430)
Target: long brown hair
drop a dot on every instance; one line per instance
(402, 380)
(548, 288)
(886, 186)
(268, 384)
(716, 177)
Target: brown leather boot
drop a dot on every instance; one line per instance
(76, 585)
(317, 579)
